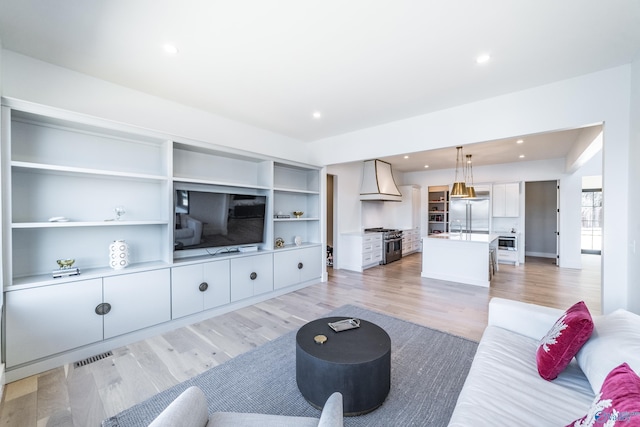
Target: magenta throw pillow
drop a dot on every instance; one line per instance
(617, 404)
(563, 341)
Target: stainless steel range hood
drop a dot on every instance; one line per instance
(378, 183)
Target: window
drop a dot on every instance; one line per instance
(591, 235)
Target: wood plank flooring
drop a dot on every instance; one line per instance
(84, 396)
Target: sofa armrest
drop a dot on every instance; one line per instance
(530, 320)
(188, 409)
(332, 412)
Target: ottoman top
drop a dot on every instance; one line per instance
(367, 343)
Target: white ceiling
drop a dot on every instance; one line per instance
(552, 145)
(359, 62)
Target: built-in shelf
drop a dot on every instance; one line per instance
(106, 223)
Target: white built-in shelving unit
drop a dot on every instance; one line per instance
(57, 163)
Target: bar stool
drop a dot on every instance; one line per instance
(493, 262)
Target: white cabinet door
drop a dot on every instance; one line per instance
(498, 200)
(51, 319)
(199, 287)
(218, 278)
(512, 200)
(186, 297)
(137, 301)
(251, 275)
(506, 200)
(296, 266)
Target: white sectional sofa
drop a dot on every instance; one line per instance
(504, 388)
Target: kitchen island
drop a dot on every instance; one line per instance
(458, 257)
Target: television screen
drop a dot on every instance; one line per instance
(217, 219)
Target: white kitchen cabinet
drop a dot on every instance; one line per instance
(410, 241)
(251, 275)
(506, 200)
(199, 287)
(291, 267)
(51, 319)
(359, 251)
(137, 301)
(372, 247)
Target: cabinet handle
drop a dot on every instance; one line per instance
(253, 275)
(203, 286)
(102, 309)
(300, 265)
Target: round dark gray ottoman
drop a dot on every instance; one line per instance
(356, 362)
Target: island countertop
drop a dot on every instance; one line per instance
(465, 237)
(443, 253)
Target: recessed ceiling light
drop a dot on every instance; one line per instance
(483, 59)
(522, 156)
(170, 49)
(316, 114)
(520, 141)
(426, 166)
(406, 157)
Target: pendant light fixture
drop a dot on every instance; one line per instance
(471, 192)
(459, 188)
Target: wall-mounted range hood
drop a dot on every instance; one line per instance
(378, 183)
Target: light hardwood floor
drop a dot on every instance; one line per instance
(82, 397)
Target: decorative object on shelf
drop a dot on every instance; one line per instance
(118, 254)
(119, 210)
(279, 242)
(468, 177)
(66, 268)
(297, 240)
(58, 219)
(298, 214)
(459, 187)
(65, 263)
(281, 216)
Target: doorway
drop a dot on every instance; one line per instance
(541, 219)
(332, 181)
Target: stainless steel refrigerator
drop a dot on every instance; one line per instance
(470, 215)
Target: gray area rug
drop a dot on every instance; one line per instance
(428, 369)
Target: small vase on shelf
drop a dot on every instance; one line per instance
(118, 254)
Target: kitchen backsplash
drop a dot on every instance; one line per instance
(505, 224)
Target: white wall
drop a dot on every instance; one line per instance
(40, 82)
(632, 195)
(602, 97)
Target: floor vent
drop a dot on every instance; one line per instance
(92, 359)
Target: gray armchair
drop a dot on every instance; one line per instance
(190, 233)
(190, 410)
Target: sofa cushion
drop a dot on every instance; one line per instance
(503, 387)
(563, 340)
(615, 340)
(618, 403)
(188, 409)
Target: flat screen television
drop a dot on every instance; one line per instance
(218, 219)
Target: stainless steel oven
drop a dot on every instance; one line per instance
(391, 243)
(508, 243)
(392, 247)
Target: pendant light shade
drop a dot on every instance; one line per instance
(471, 192)
(459, 188)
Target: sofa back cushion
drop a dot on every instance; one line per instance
(617, 403)
(615, 340)
(563, 341)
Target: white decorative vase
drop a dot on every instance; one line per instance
(118, 254)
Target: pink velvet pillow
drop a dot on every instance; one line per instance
(618, 403)
(563, 341)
